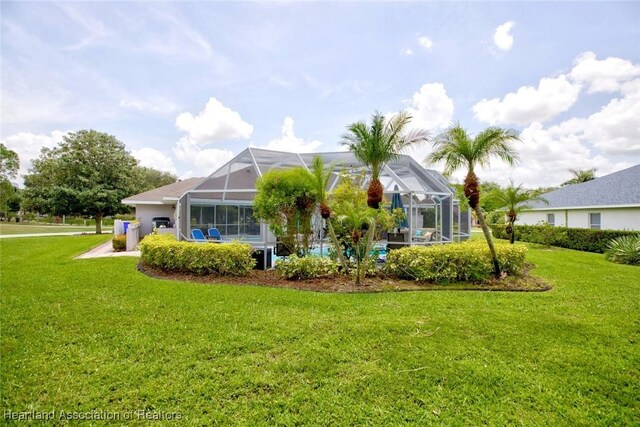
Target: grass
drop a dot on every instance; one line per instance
(119, 341)
(19, 228)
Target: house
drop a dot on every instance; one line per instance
(611, 202)
(224, 199)
(159, 203)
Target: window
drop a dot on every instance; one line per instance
(594, 221)
(551, 219)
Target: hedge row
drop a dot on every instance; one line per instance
(166, 253)
(581, 239)
(308, 267)
(456, 262)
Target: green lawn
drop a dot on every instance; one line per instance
(83, 335)
(19, 228)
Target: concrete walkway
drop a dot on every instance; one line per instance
(106, 250)
(66, 233)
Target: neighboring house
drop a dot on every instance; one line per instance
(159, 202)
(611, 202)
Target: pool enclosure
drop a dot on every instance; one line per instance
(224, 200)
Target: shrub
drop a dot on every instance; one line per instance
(581, 239)
(308, 267)
(624, 250)
(164, 252)
(456, 262)
(119, 243)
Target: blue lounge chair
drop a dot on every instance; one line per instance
(214, 233)
(198, 235)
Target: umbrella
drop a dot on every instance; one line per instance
(396, 202)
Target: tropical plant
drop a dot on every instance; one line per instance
(624, 250)
(286, 200)
(580, 176)
(356, 225)
(379, 143)
(321, 177)
(458, 150)
(514, 200)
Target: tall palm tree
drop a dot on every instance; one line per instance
(581, 175)
(458, 150)
(378, 143)
(514, 200)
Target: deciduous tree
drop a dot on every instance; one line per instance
(88, 173)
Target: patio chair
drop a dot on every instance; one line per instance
(198, 235)
(214, 234)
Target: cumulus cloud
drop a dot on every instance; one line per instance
(502, 36)
(605, 75)
(407, 51)
(288, 141)
(530, 104)
(546, 156)
(615, 129)
(432, 110)
(28, 146)
(205, 160)
(214, 124)
(156, 159)
(431, 107)
(425, 42)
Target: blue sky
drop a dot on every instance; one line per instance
(187, 85)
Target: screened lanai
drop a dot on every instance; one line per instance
(224, 200)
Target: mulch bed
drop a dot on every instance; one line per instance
(345, 284)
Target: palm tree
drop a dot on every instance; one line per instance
(379, 143)
(514, 200)
(581, 175)
(457, 149)
(321, 179)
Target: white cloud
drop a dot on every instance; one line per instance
(206, 160)
(432, 110)
(502, 37)
(425, 42)
(529, 104)
(407, 51)
(156, 159)
(615, 129)
(431, 107)
(606, 75)
(288, 141)
(29, 145)
(546, 156)
(214, 124)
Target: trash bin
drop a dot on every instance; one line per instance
(126, 225)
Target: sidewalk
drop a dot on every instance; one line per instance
(69, 233)
(105, 250)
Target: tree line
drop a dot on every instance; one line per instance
(88, 173)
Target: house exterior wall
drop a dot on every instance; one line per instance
(145, 213)
(610, 218)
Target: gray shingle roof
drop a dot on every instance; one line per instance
(171, 191)
(619, 188)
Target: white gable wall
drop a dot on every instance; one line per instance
(145, 213)
(610, 218)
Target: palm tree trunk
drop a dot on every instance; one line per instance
(487, 235)
(512, 235)
(368, 246)
(336, 246)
